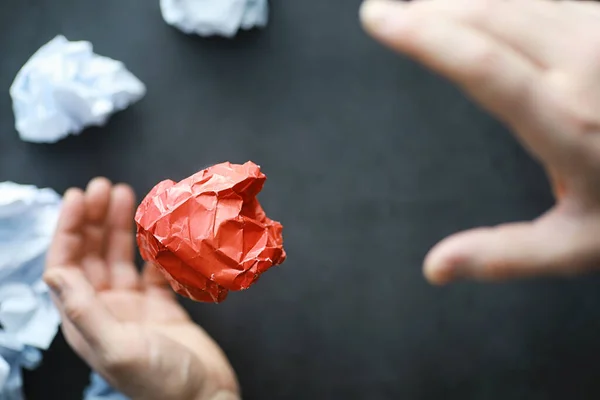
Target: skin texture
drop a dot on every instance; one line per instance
(535, 65)
(128, 326)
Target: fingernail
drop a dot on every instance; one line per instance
(55, 281)
(376, 13)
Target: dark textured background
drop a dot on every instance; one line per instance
(370, 161)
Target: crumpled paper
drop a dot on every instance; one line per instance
(13, 357)
(28, 218)
(215, 17)
(65, 87)
(208, 233)
(29, 320)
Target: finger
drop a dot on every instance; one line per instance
(67, 243)
(500, 79)
(555, 244)
(77, 300)
(120, 239)
(154, 280)
(97, 199)
(534, 28)
(495, 75)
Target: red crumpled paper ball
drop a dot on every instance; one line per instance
(208, 233)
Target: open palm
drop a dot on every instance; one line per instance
(127, 325)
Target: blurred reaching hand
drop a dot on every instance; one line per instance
(127, 326)
(535, 65)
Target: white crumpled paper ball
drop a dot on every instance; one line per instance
(65, 87)
(215, 17)
(29, 319)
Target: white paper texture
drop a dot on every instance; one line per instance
(65, 87)
(29, 320)
(215, 17)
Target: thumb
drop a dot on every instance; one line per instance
(557, 243)
(78, 304)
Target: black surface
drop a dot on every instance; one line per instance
(370, 161)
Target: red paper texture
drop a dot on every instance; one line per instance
(208, 234)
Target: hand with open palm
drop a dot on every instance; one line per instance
(535, 65)
(127, 325)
